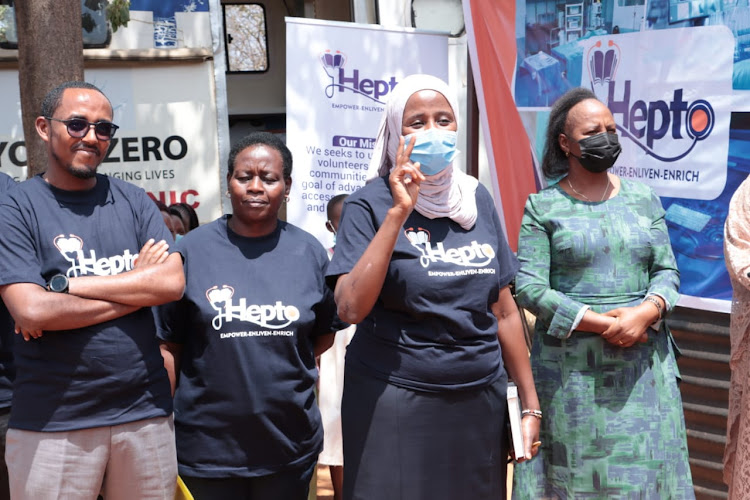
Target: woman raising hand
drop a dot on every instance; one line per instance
(423, 267)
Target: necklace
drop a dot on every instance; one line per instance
(604, 194)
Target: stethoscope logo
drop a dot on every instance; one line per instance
(603, 62)
(332, 62)
(70, 247)
(419, 239)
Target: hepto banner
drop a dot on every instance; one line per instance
(672, 116)
(679, 92)
(339, 76)
(670, 92)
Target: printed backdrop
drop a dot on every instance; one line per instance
(167, 142)
(676, 77)
(338, 79)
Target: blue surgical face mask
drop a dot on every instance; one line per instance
(329, 225)
(434, 149)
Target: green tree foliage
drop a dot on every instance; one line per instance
(118, 13)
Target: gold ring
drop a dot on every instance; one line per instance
(536, 444)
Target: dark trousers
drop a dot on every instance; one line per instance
(293, 484)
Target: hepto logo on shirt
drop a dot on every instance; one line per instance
(473, 255)
(83, 263)
(228, 308)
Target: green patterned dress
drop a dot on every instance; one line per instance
(613, 423)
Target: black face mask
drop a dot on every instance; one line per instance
(599, 152)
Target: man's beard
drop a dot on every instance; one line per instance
(77, 172)
(81, 172)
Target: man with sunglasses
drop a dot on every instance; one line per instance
(82, 258)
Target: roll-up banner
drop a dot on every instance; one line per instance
(339, 76)
(676, 77)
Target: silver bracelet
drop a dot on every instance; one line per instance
(655, 302)
(533, 413)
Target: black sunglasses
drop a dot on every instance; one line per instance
(78, 127)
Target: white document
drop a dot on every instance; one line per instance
(514, 415)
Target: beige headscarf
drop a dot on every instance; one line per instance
(450, 193)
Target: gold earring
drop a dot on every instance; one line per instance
(567, 154)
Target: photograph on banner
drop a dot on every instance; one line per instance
(336, 92)
(167, 140)
(672, 73)
(549, 35)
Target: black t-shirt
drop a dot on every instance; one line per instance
(6, 182)
(431, 327)
(7, 370)
(101, 375)
(245, 404)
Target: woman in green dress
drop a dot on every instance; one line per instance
(598, 271)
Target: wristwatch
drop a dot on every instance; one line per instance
(58, 283)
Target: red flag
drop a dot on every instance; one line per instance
(490, 25)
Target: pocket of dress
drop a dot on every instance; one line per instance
(673, 348)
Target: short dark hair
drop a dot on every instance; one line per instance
(53, 99)
(339, 198)
(186, 213)
(161, 206)
(554, 161)
(266, 139)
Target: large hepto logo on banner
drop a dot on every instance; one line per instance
(672, 115)
(353, 80)
(677, 117)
